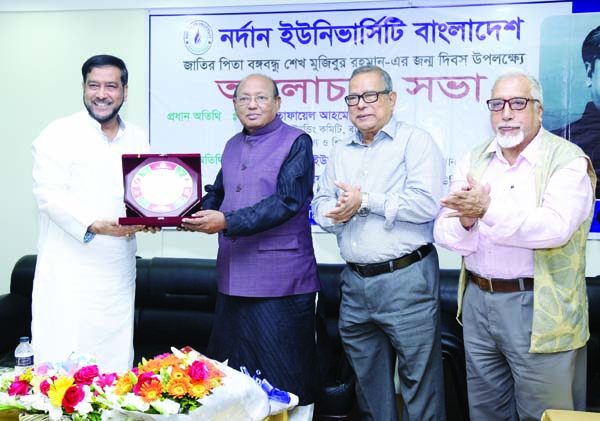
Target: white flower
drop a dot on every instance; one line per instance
(131, 401)
(187, 357)
(6, 399)
(55, 413)
(38, 401)
(84, 407)
(166, 407)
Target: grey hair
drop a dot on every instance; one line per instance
(387, 80)
(534, 83)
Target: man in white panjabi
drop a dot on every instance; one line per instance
(84, 285)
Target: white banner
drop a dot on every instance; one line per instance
(443, 61)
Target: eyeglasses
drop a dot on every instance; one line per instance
(368, 97)
(515, 104)
(245, 100)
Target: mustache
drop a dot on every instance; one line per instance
(507, 126)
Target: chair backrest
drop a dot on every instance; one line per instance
(21, 278)
(174, 304)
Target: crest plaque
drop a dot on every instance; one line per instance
(161, 190)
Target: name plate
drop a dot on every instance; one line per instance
(161, 190)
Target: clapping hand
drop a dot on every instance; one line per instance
(469, 203)
(347, 204)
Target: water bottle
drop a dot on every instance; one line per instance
(23, 356)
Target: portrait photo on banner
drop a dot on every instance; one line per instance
(570, 75)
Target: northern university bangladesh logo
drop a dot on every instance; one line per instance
(198, 37)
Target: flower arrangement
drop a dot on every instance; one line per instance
(167, 384)
(55, 392)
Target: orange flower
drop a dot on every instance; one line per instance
(178, 387)
(178, 373)
(151, 366)
(170, 360)
(151, 390)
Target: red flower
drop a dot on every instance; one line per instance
(44, 387)
(105, 380)
(86, 375)
(198, 370)
(73, 396)
(142, 380)
(18, 387)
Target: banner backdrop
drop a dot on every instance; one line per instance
(443, 61)
(572, 85)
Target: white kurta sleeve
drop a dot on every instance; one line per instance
(51, 186)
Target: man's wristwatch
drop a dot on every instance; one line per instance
(364, 209)
(88, 236)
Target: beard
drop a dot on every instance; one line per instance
(103, 119)
(510, 141)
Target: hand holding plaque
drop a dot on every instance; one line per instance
(160, 190)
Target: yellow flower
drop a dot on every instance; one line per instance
(124, 385)
(58, 388)
(26, 376)
(198, 390)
